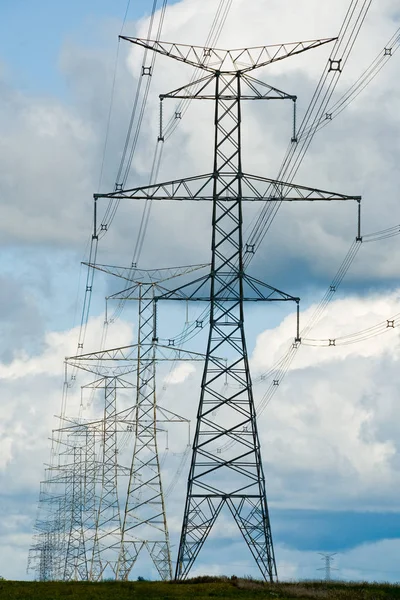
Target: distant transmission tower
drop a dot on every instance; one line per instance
(120, 536)
(105, 539)
(226, 468)
(79, 498)
(46, 555)
(328, 558)
(92, 540)
(144, 522)
(75, 567)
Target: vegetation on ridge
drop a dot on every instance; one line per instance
(199, 588)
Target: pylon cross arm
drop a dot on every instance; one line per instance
(190, 188)
(255, 188)
(125, 353)
(271, 190)
(254, 290)
(145, 276)
(251, 89)
(227, 61)
(116, 362)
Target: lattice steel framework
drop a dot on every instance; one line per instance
(107, 536)
(87, 531)
(75, 557)
(92, 469)
(118, 541)
(233, 477)
(90, 503)
(80, 498)
(46, 556)
(42, 554)
(144, 524)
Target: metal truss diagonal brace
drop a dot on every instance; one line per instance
(237, 476)
(255, 188)
(226, 467)
(254, 290)
(255, 90)
(228, 61)
(145, 276)
(144, 514)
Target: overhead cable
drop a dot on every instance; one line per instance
(368, 75)
(326, 86)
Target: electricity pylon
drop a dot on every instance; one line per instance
(328, 558)
(112, 365)
(47, 555)
(75, 566)
(60, 534)
(91, 526)
(105, 540)
(44, 553)
(144, 524)
(235, 478)
(80, 498)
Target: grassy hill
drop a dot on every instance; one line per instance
(199, 589)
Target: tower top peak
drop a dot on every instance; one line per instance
(239, 60)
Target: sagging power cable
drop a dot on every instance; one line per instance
(326, 86)
(284, 363)
(368, 75)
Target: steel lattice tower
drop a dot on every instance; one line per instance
(144, 522)
(80, 498)
(90, 530)
(226, 468)
(46, 557)
(108, 520)
(328, 559)
(90, 476)
(118, 540)
(75, 558)
(100, 522)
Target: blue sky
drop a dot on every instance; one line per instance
(32, 35)
(329, 441)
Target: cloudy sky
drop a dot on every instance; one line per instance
(329, 433)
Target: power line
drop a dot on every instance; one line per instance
(230, 481)
(356, 337)
(212, 38)
(296, 152)
(270, 210)
(368, 75)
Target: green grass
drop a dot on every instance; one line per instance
(200, 588)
